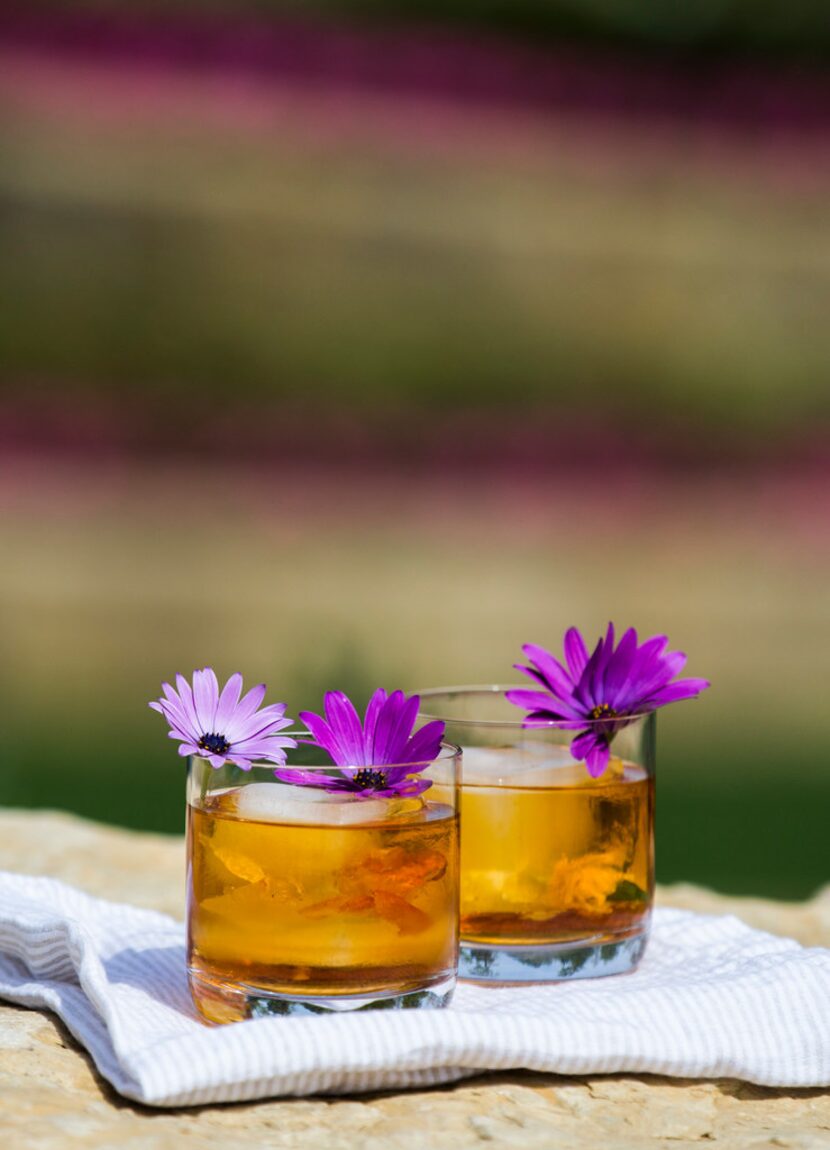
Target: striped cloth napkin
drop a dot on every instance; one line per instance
(712, 998)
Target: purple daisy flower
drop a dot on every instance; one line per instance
(600, 693)
(383, 740)
(223, 728)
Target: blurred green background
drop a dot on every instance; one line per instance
(345, 345)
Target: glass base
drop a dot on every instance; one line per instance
(551, 962)
(222, 1002)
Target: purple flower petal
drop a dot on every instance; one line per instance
(397, 774)
(186, 696)
(172, 704)
(373, 756)
(425, 744)
(318, 779)
(542, 701)
(576, 653)
(584, 693)
(253, 747)
(522, 698)
(396, 784)
(175, 733)
(598, 691)
(584, 743)
(228, 701)
(270, 744)
(275, 755)
(383, 749)
(533, 673)
(619, 666)
(409, 788)
(373, 709)
(593, 748)
(395, 724)
(177, 719)
(248, 704)
(675, 692)
(604, 689)
(258, 725)
(557, 678)
(649, 656)
(208, 724)
(597, 760)
(633, 698)
(346, 728)
(205, 698)
(403, 728)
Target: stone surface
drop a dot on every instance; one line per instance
(50, 1096)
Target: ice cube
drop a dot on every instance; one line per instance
(524, 765)
(285, 803)
(483, 766)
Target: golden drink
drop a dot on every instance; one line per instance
(557, 867)
(361, 902)
(567, 862)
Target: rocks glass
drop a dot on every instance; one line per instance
(301, 900)
(557, 868)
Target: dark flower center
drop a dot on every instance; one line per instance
(366, 779)
(602, 711)
(214, 744)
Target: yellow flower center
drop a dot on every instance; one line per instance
(367, 779)
(602, 711)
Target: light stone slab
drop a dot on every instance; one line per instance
(51, 1097)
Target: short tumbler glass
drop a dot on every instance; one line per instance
(305, 901)
(557, 868)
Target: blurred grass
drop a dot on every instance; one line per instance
(178, 261)
(103, 596)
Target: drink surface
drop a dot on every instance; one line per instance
(558, 856)
(340, 907)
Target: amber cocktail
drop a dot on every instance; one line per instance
(300, 900)
(557, 868)
(552, 864)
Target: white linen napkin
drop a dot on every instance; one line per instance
(712, 998)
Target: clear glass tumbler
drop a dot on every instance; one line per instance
(301, 900)
(557, 868)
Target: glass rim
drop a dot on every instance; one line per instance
(448, 751)
(510, 724)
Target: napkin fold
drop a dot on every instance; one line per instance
(711, 998)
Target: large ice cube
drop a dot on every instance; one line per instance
(524, 765)
(485, 766)
(285, 803)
